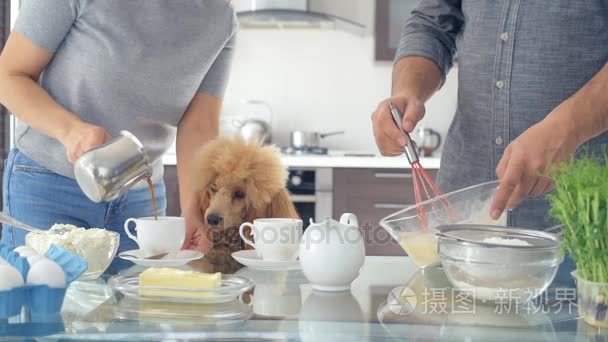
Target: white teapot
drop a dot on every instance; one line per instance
(332, 253)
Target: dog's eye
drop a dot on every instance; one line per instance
(213, 188)
(239, 195)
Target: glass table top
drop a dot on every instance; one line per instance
(390, 300)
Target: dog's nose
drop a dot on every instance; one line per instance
(214, 219)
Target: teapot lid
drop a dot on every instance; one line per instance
(347, 219)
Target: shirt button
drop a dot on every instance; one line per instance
(500, 84)
(504, 36)
(498, 141)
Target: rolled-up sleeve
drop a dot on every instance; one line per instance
(431, 32)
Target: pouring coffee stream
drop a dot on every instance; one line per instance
(154, 205)
(106, 172)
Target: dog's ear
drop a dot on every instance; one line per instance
(281, 206)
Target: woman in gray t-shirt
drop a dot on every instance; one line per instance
(77, 72)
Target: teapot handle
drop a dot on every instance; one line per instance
(349, 219)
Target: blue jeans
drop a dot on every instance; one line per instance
(41, 198)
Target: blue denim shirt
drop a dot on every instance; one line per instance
(517, 60)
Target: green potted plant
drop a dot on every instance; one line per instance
(580, 203)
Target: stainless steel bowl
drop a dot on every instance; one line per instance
(494, 271)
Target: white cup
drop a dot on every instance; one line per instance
(276, 239)
(165, 235)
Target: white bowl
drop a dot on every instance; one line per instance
(98, 260)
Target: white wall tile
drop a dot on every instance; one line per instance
(321, 80)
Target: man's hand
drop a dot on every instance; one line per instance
(415, 79)
(523, 169)
(389, 138)
(82, 138)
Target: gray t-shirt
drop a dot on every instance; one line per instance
(126, 65)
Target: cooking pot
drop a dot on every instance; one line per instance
(309, 140)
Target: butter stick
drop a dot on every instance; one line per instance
(172, 278)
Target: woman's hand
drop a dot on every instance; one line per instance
(82, 138)
(389, 137)
(523, 170)
(196, 230)
(200, 240)
(199, 125)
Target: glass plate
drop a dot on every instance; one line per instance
(232, 287)
(201, 314)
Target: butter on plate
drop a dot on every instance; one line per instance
(178, 283)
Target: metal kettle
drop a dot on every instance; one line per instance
(254, 128)
(428, 141)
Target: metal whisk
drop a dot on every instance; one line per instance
(424, 185)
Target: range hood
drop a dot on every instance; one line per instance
(322, 14)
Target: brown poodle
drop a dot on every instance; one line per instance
(239, 182)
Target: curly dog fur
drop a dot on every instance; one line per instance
(238, 182)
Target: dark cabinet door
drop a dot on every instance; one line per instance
(390, 17)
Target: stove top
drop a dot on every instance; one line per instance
(314, 151)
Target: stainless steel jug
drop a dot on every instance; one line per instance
(106, 172)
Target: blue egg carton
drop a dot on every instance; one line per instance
(40, 299)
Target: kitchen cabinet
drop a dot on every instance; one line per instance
(390, 17)
(373, 194)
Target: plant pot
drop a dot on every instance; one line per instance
(592, 301)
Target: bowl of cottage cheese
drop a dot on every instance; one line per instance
(96, 246)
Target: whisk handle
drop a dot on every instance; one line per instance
(410, 147)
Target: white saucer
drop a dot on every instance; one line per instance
(251, 259)
(170, 260)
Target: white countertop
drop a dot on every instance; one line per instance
(342, 160)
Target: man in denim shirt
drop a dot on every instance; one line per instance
(532, 89)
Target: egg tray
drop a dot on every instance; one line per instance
(39, 299)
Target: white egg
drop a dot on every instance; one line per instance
(9, 278)
(32, 259)
(46, 272)
(25, 251)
